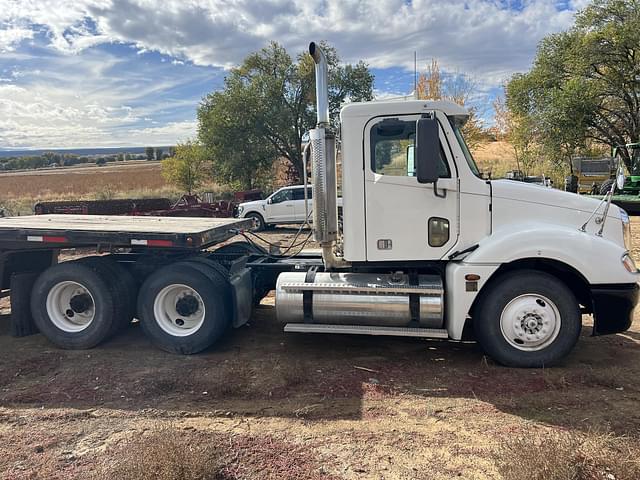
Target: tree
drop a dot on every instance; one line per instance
(149, 152)
(584, 85)
(159, 153)
(188, 168)
(457, 88)
(271, 101)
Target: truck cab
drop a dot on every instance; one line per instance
(430, 248)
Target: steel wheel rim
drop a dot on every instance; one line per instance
(257, 223)
(530, 322)
(179, 310)
(70, 306)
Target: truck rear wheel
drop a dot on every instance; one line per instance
(185, 307)
(527, 319)
(122, 285)
(73, 306)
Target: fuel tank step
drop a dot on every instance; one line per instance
(366, 330)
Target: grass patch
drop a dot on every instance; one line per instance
(568, 456)
(170, 453)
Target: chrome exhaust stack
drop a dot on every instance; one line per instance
(322, 86)
(323, 169)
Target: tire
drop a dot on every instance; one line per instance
(73, 306)
(259, 220)
(206, 307)
(571, 184)
(122, 284)
(606, 186)
(548, 304)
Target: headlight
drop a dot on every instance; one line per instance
(629, 264)
(626, 229)
(240, 210)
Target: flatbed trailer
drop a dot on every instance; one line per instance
(117, 231)
(82, 302)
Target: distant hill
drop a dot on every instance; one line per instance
(76, 151)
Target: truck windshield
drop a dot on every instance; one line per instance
(463, 145)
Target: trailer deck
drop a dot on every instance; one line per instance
(118, 231)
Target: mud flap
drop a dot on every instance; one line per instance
(22, 323)
(242, 295)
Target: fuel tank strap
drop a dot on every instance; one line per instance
(307, 296)
(414, 301)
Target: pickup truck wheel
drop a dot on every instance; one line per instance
(184, 308)
(259, 221)
(527, 319)
(73, 306)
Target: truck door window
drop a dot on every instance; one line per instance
(298, 193)
(281, 196)
(392, 149)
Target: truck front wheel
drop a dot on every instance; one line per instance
(184, 307)
(527, 319)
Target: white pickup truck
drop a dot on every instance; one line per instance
(281, 207)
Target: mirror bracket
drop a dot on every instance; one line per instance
(435, 191)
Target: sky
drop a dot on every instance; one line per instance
(100, 73)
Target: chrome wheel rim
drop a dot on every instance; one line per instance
(179, 310)
(70, 306)
(530, 322)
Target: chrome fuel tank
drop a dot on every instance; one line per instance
(359, 299)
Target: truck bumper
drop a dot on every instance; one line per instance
(613, 307)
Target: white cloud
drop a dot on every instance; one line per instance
(471, 35)
(11, 36)
(95, 100)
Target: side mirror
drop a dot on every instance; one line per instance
(269, 202)
(427, 151)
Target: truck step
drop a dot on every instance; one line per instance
(346, 288)
(366, 330)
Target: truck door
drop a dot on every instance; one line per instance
(280, 207)
(406, 220)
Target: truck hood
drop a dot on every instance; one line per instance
(253, 205)
(537, 194)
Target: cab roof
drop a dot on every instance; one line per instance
(403, 107)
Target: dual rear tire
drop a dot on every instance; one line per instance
(185, 307)
(79, 304)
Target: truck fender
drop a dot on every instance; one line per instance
(567, 245)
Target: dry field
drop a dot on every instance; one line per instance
(495, 157)
(269, 405)
(19, 191)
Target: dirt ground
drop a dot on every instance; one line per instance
(267, 405)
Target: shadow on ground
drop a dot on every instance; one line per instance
(260, 371)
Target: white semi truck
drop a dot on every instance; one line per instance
(427, 249)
